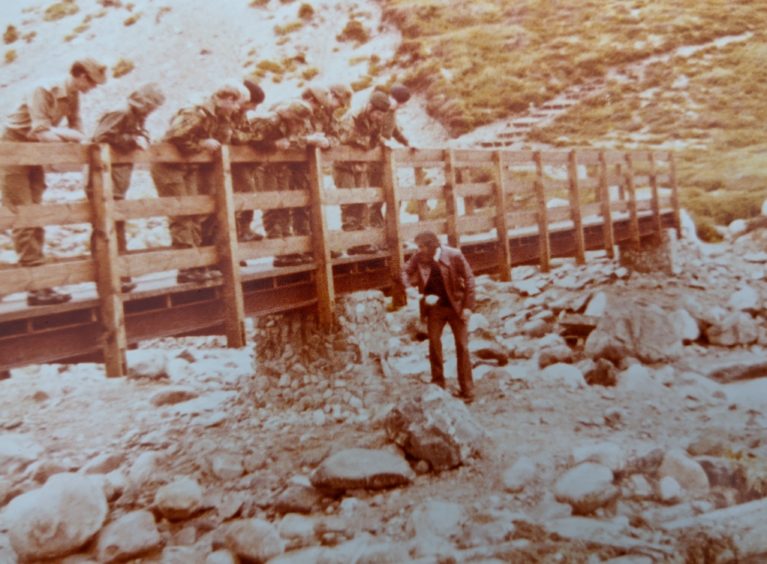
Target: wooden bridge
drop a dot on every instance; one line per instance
(495, 205)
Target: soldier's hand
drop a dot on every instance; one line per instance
(318, 140)
(210, 144)
(142, 143)
(389, 143)
(282, 144)
(69, 135)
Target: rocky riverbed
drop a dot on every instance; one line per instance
(620, 417)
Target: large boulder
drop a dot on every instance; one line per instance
(436, 428)
(362, 468)
(56, 519)
(631, 329)
(129, 536)
(586, 487)
(253, 540)
(180, 499)
(16, 452)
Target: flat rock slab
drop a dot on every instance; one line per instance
(360, 468)
(129, 536)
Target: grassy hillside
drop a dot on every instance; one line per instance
(481, 61)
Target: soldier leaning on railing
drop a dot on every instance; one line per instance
(37, 119)
(124, 131)
(202, 127)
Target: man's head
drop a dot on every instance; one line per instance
(228, 97)
(87, 73)
(257, 95)
(318, 97)
(146, 99)
(343, 95)
(378, 105)
(427, 242)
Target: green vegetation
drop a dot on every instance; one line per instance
(60, 10)
(310, 73)
(258, 3)
(10, 56)
(490, 59)
(122, 67)
(11, 34)
(288, 28)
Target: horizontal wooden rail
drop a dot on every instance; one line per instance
(502, 195)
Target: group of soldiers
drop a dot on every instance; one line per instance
(320, 118)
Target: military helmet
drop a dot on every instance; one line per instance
(342, 92)
(296, 109)
(148, 97)
(233, 88)
(400, 92)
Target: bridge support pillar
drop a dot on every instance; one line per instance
(655, 254)
(294, 342)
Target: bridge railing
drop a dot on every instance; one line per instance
(456, 193)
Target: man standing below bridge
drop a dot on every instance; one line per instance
(443, 276)
(37, 119)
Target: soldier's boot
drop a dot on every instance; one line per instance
(47, 296)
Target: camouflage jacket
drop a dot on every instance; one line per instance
(259, 132)
(190, 126)
(120, 129)
(362, 132)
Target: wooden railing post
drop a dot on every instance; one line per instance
(634, 237)
(325, 289)
(607, 211)
(575, 207)
(655, 202)
(228, 253)
(501, 224)
(674, 194)
(421, 205)
(393, 234)
(543, 215)
(451, 199)
(105, 252)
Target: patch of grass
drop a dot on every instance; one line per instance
(60, 10)
(267, 65)
(354, 31)
(362, 83)
(28, 37)
(310, 73)
(132, 19)
(306, 12)
(258, 3)
(10, 56)
(11, 34)
(81, 28)
(122, 67)
(288, 28)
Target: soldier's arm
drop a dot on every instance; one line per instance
(40, 109)
(186, 132)
(114, 129)
(399, 136)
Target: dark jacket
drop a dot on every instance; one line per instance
(456, 272)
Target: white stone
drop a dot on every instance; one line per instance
(7, 554)
(686, 471)
(57, 519)
(478, 321)
(586, 487)
(737, 227)
(180, 499)
(147, 363)
(16, 452)
(639, 487)
(686, 325)
(221, 557)
(127, 537)
(669, 490)
(143, 468)
(520, 474)
(298, 530)
(745, 299)
(563, 374)
(253, 539)
(597, 305)
(438, 518)
(362, 468)
(604, 453)
(637, 378)
(226, 466)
